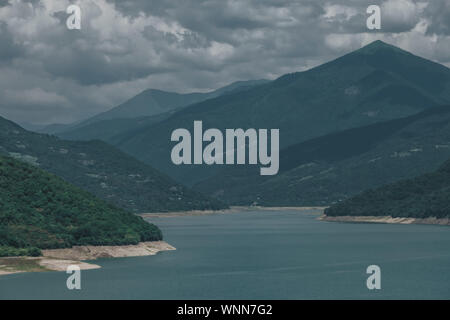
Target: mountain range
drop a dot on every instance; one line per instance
(370, 117)
(376, 83)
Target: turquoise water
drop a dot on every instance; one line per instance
(263, 255)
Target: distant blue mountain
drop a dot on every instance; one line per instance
(149, 103)
(376, 83)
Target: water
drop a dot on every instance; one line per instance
(263, 255)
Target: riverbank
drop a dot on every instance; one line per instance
(385, 219)
(231, 210)
(60, 259)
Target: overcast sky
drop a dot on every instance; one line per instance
(49, 74)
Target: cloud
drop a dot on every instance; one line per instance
(9, 49)
(126, 46)
(400, 15)
(35, 96)
(438, 17)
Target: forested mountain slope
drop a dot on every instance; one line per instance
(39, 211)
(425, 196)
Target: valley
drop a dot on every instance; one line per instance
(363, 142)
(211, 151)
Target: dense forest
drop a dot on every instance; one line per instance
(425, 196)
(41, 211)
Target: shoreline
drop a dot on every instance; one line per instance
(60, 259)
(231, 210)
(318, 211)
(386, 220)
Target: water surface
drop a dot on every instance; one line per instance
(263, 255)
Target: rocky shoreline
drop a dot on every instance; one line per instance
(60, 259)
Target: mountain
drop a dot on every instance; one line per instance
(31, 127)
(377, 83)
(102, 170)
(425, 196)
(152, 102)
(52, 128)
(237, 86)
(41, 211)
(114, 130)
(149, 103)
(336, 166)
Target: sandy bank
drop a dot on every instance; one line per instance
(386, 219)
(95, 252)
(60, 259)
(233, 209)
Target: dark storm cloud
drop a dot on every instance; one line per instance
(84, 59)
(127, 46)
(8, 48)
(216, 19)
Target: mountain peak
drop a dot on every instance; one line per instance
(379, 46)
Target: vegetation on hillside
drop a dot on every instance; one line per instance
(422, 197)
(102, 170)
(41, 211)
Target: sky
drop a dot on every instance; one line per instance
(50, 74)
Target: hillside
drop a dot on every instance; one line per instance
(40, 211)
(144, 109)
(336, 166)
(376, 83)
(101, 170)
(422, 197)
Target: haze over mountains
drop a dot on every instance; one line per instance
(152, 102)
(149, 103)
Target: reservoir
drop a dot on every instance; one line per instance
(269, 254)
